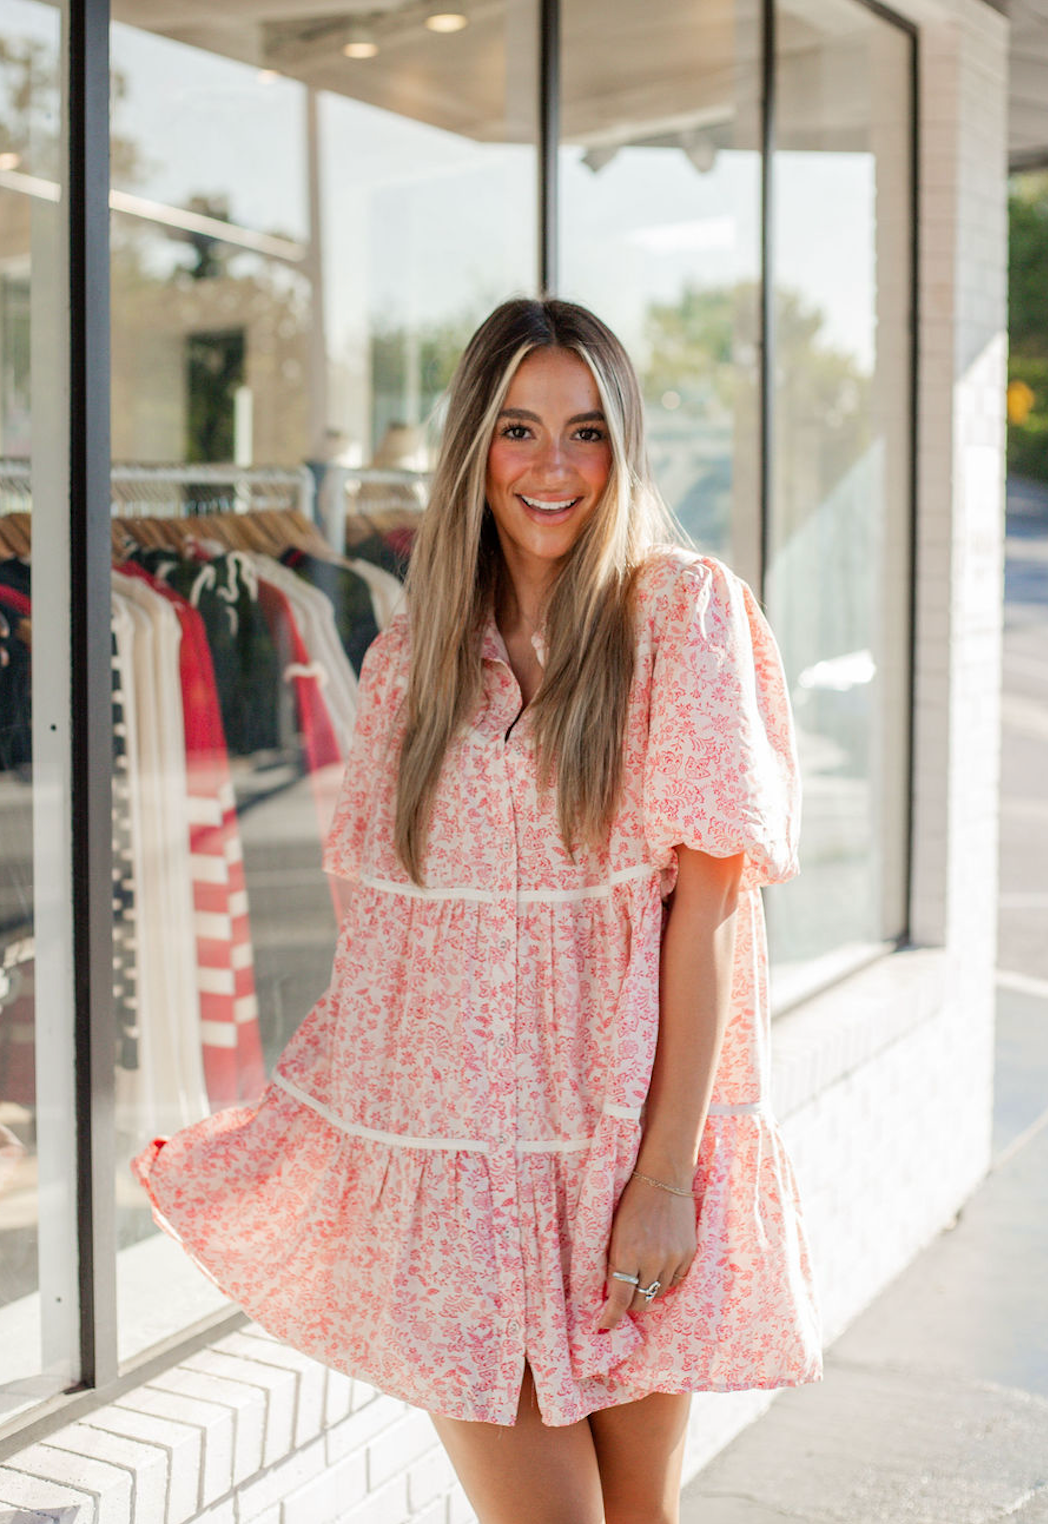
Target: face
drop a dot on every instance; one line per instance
(549, 460)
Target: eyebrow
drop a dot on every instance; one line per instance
(522, 412)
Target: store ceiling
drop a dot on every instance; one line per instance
(461, 82)
(1028, 103)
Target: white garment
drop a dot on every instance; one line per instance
(315, 617)
(387, 594)
(167, 1090)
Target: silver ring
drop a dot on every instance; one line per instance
(631, 1280)
(649, 1293)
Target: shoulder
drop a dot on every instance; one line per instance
(675, 587)
(389, 652)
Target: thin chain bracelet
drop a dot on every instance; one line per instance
(650, 1180)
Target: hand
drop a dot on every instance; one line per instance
(653, 1236)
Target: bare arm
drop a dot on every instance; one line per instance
(653, 1234)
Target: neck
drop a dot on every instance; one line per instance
(520, 598)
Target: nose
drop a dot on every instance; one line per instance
(553, 458)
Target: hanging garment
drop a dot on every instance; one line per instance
(247, 672)
(425, 1195)
(231, 1042)
(314, 617)
(350, 597)
(16, 709)
(387, 591)
(168, 1083)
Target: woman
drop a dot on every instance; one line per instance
(517, 1166)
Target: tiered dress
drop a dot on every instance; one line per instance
(425, 1193)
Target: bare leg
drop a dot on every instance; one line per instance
(525, 1473)
(640, 1453)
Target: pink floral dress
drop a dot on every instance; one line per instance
(424, 1195)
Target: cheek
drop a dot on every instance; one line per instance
(499, 470)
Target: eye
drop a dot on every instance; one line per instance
(514, 431)
(590, 433)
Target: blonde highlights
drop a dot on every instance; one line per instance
(580, 708)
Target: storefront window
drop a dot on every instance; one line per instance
(302, 243)
(38, 1251)
(838, 575)
(660, 211)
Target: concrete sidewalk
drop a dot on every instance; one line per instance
(934, 1407)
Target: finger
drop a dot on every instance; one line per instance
(644, 1298)
(618, 1297)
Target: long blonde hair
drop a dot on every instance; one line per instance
(580, 708)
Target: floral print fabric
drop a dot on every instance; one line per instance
(424, 1195)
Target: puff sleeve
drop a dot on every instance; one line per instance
(381, 685)
(721, 773)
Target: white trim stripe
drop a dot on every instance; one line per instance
(475, 1145)
(523, 896)
(212, 925)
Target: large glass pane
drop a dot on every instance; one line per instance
(303, 238)
(660, 187)
(838, 574)
(38, 1291)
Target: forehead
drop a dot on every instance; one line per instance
(547, 379)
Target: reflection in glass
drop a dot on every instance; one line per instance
(838, 572)
(38, 1294)
(660, 186)
(299, 252)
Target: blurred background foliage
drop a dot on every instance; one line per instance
(1028, 325)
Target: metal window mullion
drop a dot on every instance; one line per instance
(766, 402)
(548, 144)
(91, 691)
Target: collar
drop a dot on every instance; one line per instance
(493, 646)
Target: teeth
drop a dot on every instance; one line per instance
(549, 507)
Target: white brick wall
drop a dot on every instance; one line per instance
(883, 1083)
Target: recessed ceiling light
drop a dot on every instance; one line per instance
(360, 43)
(446, 18)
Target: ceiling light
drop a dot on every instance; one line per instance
(267, 76)
(10, 160)
(445, 18)
(360, 43)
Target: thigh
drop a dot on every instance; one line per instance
(640, 1454)
(525, 1473)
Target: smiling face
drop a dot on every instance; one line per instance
(548, 462)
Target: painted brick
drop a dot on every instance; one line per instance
(360, 1428)
(55, 1503)
(224, 1512)
(214, 1426)
(430, 1476)
(396, 1447)
(245, 1404)
(329, 1495)
(434, 1513)
(458, 1509)
(182, 1442)
(389, 1505)
(309, 1374)
(338, 1399)
(110, 1485)
(278, 1386)
(254, 1498)
(147, 1463)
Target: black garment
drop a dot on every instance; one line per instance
(350, 596)
(247, 667)
(378, 550)
(16, 706)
